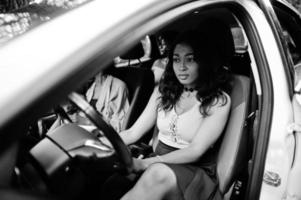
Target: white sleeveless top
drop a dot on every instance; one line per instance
(178, 130)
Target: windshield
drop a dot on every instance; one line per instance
(18, 17)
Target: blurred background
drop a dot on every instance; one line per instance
(296, 4)
(11, 5)
(19, 16)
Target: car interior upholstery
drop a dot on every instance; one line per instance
(232, 156)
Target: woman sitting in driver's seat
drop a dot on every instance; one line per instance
(190, 109)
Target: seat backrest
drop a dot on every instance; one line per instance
(232, 155)
(139, 80)
(140, 83)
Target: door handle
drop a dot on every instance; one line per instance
(271, 178)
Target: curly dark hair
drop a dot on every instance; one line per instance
(214, 78)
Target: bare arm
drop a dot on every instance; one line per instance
(118, 105)
(207, 135)
(144, 123)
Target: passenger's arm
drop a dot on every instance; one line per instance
(119, 105)
(144, 123)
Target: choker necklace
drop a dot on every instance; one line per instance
(189, 89)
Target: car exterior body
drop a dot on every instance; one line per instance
(42, 66)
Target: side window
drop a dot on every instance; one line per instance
(295, 57)
(291, 25)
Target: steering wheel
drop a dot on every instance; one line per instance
(96, 118)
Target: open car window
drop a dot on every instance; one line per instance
(290, 22)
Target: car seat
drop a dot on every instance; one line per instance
(232, 155)
(140, 83)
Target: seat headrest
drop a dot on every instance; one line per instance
(155, 53)
(220, 35)
(240, 42)
(135, 52)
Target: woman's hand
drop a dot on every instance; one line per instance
(139, 165)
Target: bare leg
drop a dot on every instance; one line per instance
(157, 182)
